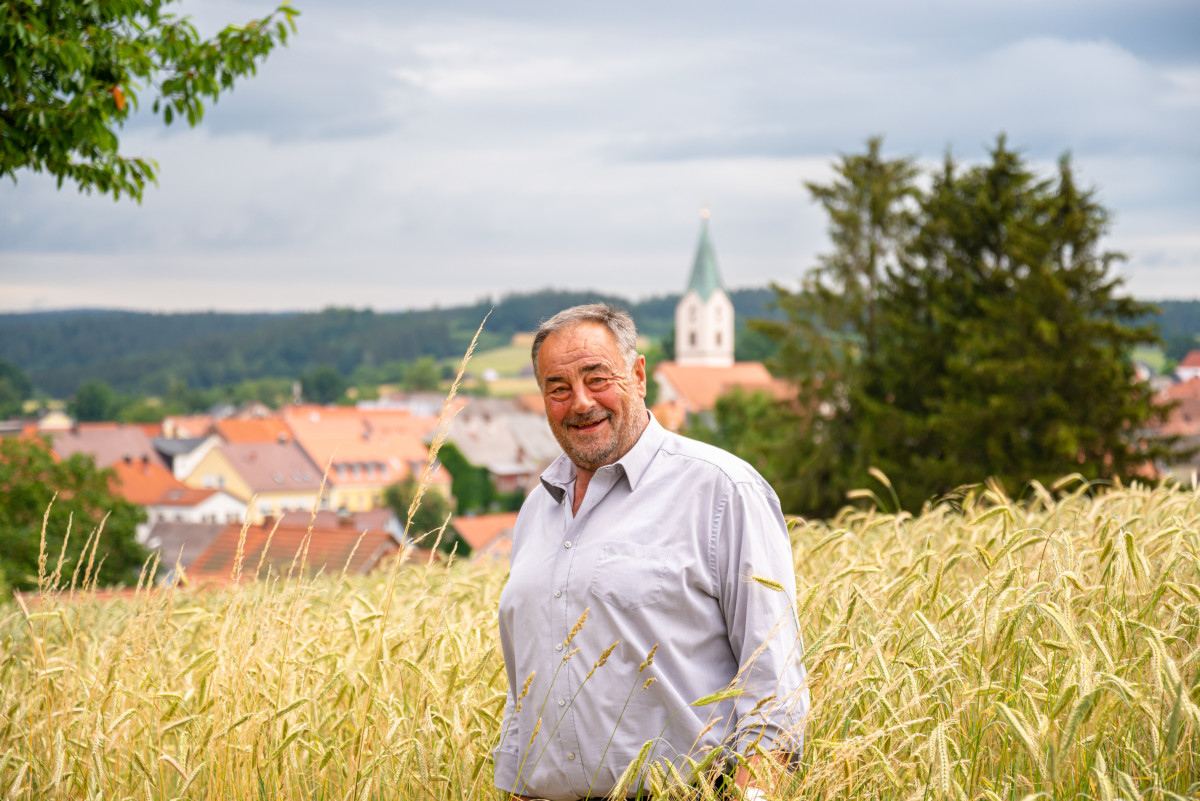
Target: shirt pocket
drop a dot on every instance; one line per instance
(629, 576)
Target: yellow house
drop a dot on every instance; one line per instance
(272, 478)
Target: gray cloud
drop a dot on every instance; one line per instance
(398, 154)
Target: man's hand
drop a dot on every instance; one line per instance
(745, 779)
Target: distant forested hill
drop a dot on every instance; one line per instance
(1178, 324)
(140, 353)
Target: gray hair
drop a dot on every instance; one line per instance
(617, 321)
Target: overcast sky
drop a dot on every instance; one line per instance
(398, 155)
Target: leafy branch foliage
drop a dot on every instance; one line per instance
(73, 71)
(74, 499)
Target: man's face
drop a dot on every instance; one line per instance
(596, 406)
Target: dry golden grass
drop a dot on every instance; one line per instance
(993, 650)
(985, 649)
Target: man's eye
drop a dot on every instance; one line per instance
(597, 381)
(559, 393)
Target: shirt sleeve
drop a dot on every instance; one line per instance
(757, 591)
(506, 756)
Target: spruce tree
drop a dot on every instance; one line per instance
(830, 328)
(981, 335)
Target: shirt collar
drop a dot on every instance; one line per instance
(633, 465)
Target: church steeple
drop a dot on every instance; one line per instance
(706, 278)
(704, 317)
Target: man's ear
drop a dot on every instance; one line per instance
(639, 375)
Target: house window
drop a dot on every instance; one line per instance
(692, 339)
(718, 339)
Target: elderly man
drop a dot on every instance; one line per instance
(649, 572)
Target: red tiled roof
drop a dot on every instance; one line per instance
(142, 482)
(190, 426)
(1192, 359)
(531, 402)
(480, 530)
(148, 483)
(1184, 389)
(365, 447)
(330, 550)
(671, 415)
(701, 386)
(263, 429)
(185, 496)
(107, 443)
(1184, 419)
(273, 466)
(327, 520)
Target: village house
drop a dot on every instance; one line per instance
(273, 477)
(1189, 366)
(149, 484)
(182, 455)
(1183, 421)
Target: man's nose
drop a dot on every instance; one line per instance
(581, 399)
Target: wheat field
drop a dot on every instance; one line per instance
(985, 649)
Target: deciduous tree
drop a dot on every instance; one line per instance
(74, 70)
(323, 385)
(15, 388)
(428, 518)
(93, 401)
(73, 498)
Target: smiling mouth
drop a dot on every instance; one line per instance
(589, 427)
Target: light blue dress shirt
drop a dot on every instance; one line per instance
(665, 552)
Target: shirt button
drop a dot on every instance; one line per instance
(558, 647)
(561, 702)
(567, 544)
(558, 593)
(571, 755)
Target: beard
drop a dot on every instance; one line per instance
(592, 450)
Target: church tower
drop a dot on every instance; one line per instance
(704, 317)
